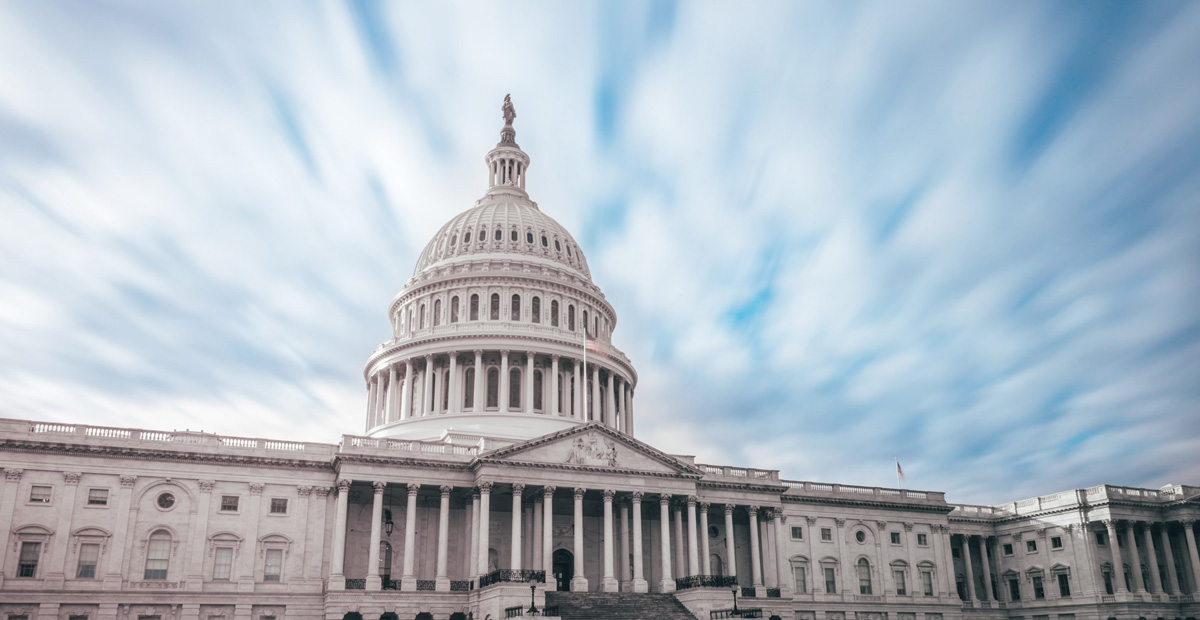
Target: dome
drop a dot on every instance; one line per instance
(503, 223)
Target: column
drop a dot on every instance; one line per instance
(390, 405)
(454, 402)
(610, 581)
(596, 412)
(1173, 585)
(337, 577)
(55, 568)
(577, 401)
(629, 410)
(442, 583)
(514, 561)
(693, 551)
(8, 503)
(536, 537)
(548, 531)
(680, 548)
(485, 507)
(1135, 560)
(473, 556)
(555, 394)
(755, 554)
(730, 557)
(626, 578)
(439, 391)
(610, 409)
(667, 584)
(408, 580)
(1152, 559)
(987, 571)
(380, 391)
(705, 552)
(579, 582)
(639, 579)
(966, 555)
(372, 386)
(200, 533)
(406, 391)
(373, 581)
(946, 572)
(312, 561)
(782, 565)
(480, 401)
(427, 404)
(503, 400)
(529, 383)
(1118, 575)
(625, 407)
(1195, 558)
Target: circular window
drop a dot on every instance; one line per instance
(166, 501)
(499, 235)
(860, 536)
(713, 532)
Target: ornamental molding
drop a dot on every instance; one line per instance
(256, 488)
(837, 501)
(485, 281)
(206, 486)
(13, 474)
(71, 478)
(151, 454)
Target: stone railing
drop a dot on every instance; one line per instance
(512, 576)
(721, 614)
(354, 442)
(356, 584)
(169, 440)
(1077, 497)
(743, 474)
(850, 491)
(705, 581)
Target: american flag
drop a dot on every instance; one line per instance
(899, 472)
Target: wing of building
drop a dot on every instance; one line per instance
(498, 472)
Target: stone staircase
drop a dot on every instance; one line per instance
(617, 606)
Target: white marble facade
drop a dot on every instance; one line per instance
(496, 441)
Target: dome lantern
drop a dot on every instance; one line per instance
(507, 163)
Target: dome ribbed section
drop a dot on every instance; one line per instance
(506, 226)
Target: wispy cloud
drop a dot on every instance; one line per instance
(962, 235)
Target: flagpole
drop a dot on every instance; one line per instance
(584, 394)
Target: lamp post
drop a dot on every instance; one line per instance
(735, 610)
(532, 594)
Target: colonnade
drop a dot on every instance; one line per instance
(444, 384)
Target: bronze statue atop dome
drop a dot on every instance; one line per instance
(509, 111)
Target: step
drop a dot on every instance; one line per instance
(617, 606)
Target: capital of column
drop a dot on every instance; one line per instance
(608, 495)
(664, 499)
(579, 491)
(518, 488)
(301, 491)
(839, 522)
(704, 506)
(379, 487)
(1187, 522)
(322, 491)
(474, 492)
(691, 501)
(882, 525)
(256, 488)
(908, 527)
(413, 488)
(71, 478)
(486, 487)
(14, 474)
(1110, 523)
(478, 351)
(343, 485)
(637, 496)
(811, 520)
(126, 481)
(729, 509)
(548, 492)
(206, 486)
(752, 510)
(555, 357)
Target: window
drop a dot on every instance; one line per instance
(89, 554)
(1031, 546)
(1014, 589)
(922, 540)
(1064, 585)
(529, 237)
(1056, 542)
(537, 389)
(1101, 539)
(1108, 584)
(158, 555)
(279, 505)
(535, 310)
(901, 590)
(864, 576)
(830, 582)
(499, 235)
(585, 321)
(39, 494)
(454, 309)
(469, 389)
(1039, 592)
(495, 310)
(222, 563)
(474, 307)
(860, 536)
(514, 388)
(927, 582)
(554, 313)
(28, 560)
(826, 534)
(421, 316)
(797, 532)
(1007, 549)
(437, 312)
(229, 503)
(801, 584)
(166, 501)
(467, 237)
(97, 497)
(514, 235)
(515, 313)
(493, 387)
(557, 246)
(895, 538)
(273, 565)
(453, 240)
(571, 317)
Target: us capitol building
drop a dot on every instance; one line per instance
(499, 470)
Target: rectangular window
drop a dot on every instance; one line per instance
(274, 565)
(895, 538)
(1064, 585)
(1008, 550)
(89, 554)
(1056, 542)
(901, 590)
(830, 581)
(922, 540)
(1108, 586)
(1101, 539)
(1039, 592)
(229, 503)
(97, 497)
(222, 563)
(927, 582)
(27, 564)
(158, 557)
(826, 534)
(1031, 546)
(279, 505)
(39, 495)
(801, 583)
(797, 533)
(1014, 589)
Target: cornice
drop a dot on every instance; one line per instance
(644, 448)
(150, 454)
(481, 462)
(369, 459)
(838, 501)
(721, 484)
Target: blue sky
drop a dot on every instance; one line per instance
(962, 234)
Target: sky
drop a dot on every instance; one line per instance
(964, 235)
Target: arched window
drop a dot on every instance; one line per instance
(535, 310)
(410, 323)
(453, 240)
(446, 390)
(554, 313)
(864, 576)
(585, 321)
(158, 555)
(499, 235)
(596, 326)
(714, 561)
(537, 389)
(454, 309)
(571, 317)
(557, 246)
(515, 311)
(422, 315)
(545, 242)
(469, 389)
(467, 237)
(474, 307)
(514, 235)
(495, 313)
(437, 313)
(493, 388)
(514, 388)
(529, 238)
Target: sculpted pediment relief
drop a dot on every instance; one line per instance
(593, 447)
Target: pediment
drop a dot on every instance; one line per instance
(592, 447)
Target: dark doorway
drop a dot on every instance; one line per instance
(424, 616)
(352, 615)
(389, 616)
(458, 615)
(564, 570)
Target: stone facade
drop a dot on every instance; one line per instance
(500, 450)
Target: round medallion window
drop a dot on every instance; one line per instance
(166, 501)
(860, 536)
(713, 532)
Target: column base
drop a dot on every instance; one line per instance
(442, 584)
(579, 584)
(408, 584)
(336, 582)
(641, 586)
(610, 584)
(666, 585)
(627, 586)
(374, 583)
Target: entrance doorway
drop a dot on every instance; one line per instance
(564, 570)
